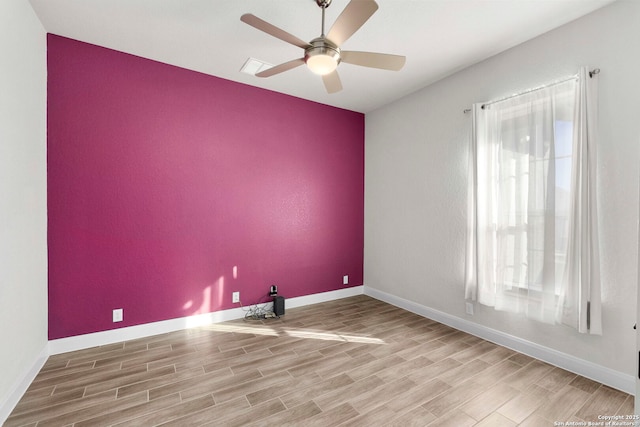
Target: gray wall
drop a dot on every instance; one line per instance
(23, 197)
(416, 176)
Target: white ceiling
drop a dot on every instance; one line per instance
(438, 37)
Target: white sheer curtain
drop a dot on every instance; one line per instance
(580, 303)
(528, 200)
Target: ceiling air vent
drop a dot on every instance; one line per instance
(253, 66)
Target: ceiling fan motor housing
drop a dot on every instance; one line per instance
(323, 56)
(323, 3)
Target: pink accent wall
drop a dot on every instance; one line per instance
(169, 189)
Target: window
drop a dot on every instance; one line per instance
(522, 205)
(533, 242)
(529, 152)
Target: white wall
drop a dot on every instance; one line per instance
(23, 199)
(416, 176)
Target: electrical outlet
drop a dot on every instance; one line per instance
(345, 279)
(469, 308)
(117, 315)
(235, 297)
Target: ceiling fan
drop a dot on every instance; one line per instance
(323, 54)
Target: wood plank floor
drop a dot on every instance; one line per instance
(352, 362)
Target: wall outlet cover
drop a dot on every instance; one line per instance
(345, 279)
(235, 297)
(469, 308)
(118, 315)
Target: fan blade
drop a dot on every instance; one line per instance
(332, 82)
(351, 19)
(383, 61)
(286, 66)
(272, 30)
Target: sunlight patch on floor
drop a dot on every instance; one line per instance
(333, 336)
(296, 333)
(256, 330)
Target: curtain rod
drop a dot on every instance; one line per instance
(556, 82)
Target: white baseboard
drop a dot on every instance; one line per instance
(324, 297)
(64, 345)
(8, 404)
(80, 342)
(601, 374)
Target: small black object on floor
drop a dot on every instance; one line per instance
(278, 306)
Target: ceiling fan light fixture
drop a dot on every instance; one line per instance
(322, 64)
(322, 57)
